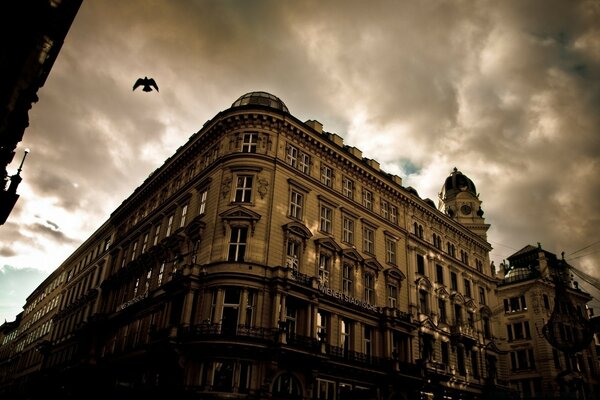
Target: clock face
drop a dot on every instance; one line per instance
(465, 209)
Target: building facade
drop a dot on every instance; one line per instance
(546, 333)
(267, 259)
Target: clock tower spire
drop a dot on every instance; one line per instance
(460, 201)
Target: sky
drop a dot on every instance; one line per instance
(508, 92)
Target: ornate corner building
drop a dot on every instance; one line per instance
(267, 260)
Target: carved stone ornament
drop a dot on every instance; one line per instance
(263, 186)
(226, 186)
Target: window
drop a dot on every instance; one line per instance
(460, 360)
(348, 188)
(145, 243)
(249, 142)
(458, 319)
(479, 265)
(348, 230)
(346, 335)
(304, 163)
(420, 264)
(467, 288)
(385, 209)
(445, 352)
(286, 386)
(326, 219)
(390, 251)
(437, 241)
(418, 230)
(546, 301)
(439, 274)
(250, 307)
(423, 301)
(368, 240)
(481, 295)
(322, 326)
(160, 273)
(367, 199)
(325, 390)
(453, 281)
(369, 282)
(451, 249)
(184, 210)
(156, 235)
(487, 330)
(392, 292)
(326, 175)
(133, 251)
(292, 255)
(292, 156)
(393, 214)
(443, 316)
(169, 225)
(243, 189)
(324, 268)
(223, 376)
(237, 244)
(296, 204)
(515, 304)
(291, 317)
(230, 313)
(368, 341)
(522, 360)
(518, 331)
(203, 195)
(475, 364)
(347, 280)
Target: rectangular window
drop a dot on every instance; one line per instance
(243, 189)
(347, 280)
(390, 251)
(304, 163)
(385, 209)
(439, 274)
(169, 225)
(244, 385)
(223, 376)
(326, 219)
(249, 142)
(393, 214)
(292, 156)
(481, 295)
(453, 281)
(368, 240)
(369, 283)
(420, 264)
(292, 255)
(324, 268)
(326, 175)
(325, 390)
(443, 316)
(348, 188)
(133, 252)
(423, 302)
(467, 288)
(237, 244)
(296, 204)
(145, 243)
(156, 235)
(475, 364)
(392, 295)
(346, 336)
(487, 330)
(184, 210)
(445, 352)
(322, 326)
(460, 360)
(250, 307)
(203, 195)
(368, 341)
(367, 199)
(348, 230)
(161, 271)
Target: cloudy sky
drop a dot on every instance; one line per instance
(506, 91)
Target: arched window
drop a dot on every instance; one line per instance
(286, 386)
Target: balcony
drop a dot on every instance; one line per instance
(208, 331)
(464, 333)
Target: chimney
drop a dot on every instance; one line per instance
(316, 125)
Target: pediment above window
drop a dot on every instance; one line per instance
(395, 273)
(239, 215)
(329, 244)
(471, 305)
(297, 229)
(423, 281)
(353, 255)
(442, 292)
(373, 264)
(485, 310)
(457, 298)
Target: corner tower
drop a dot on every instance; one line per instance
(460, 201)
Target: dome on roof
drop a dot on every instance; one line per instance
(456, 183)
(261, 99)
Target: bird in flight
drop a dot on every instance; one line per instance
(147, 83)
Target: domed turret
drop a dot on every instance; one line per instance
(460, 201)
(457, 182)
(261, 99)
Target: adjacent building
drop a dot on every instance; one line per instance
(544, 328)
(268, 259)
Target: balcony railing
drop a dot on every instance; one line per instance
(339, 353)
(220, 331)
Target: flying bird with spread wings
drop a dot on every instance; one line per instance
(147, 83)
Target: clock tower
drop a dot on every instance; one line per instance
(460, 201)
